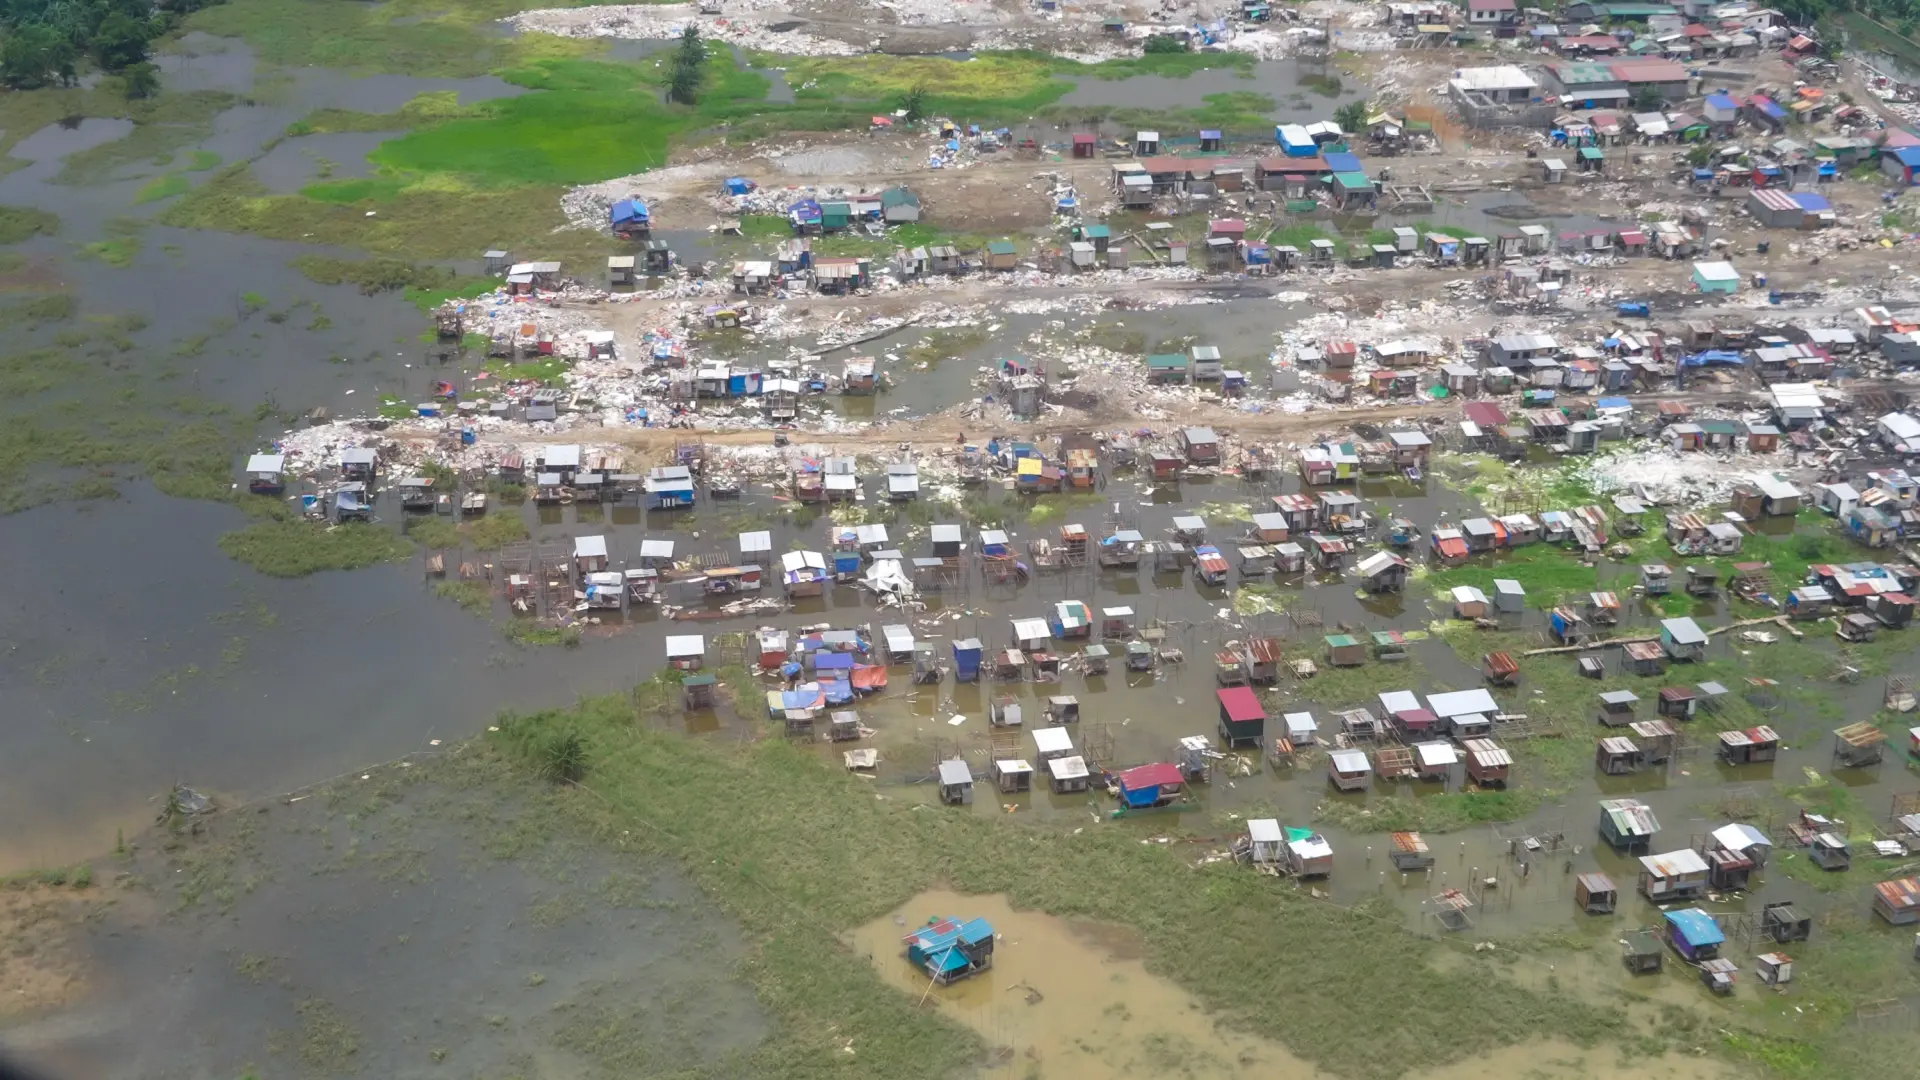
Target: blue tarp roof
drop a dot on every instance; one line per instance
(739, 185)
(1908, 156)
(839, 691)
(1722, 101)
(1613, 403)
(628, 210)
(1696, 927)
(1340, 162)
(1770, 109)
(1810, 201)
(1703, 174)
(833, 661)
(804, 698)
(1712, 357)
(1209, 133)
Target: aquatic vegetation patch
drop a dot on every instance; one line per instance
(292, 548)
(21, 223)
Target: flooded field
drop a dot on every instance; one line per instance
(1067, 1000)
(690, 893)
(386, 927)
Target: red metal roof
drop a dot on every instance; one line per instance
(1241, 704)
(1452, 547)
(1293, 165)
(1485, 413)
(1082, 140)
(1158, 774)
(1901, 894)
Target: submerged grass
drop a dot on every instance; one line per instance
(20, 223)
(1222, 932)
(165, 186)
(288, 548)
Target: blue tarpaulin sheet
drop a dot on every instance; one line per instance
(839, 691)
(1613, 403)
(833, 661)
(1713, 357)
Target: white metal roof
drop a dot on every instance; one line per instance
(1496, 77)
(1394, 701)
(1378, 561)
(686, 645)
(1901, 426)
(266, 463)
(656, 549)
(589, 547)
(1674, 863)
(1717, 270)
(1350, 761)
(1300, 721)
(1436, 754)
(955, 771)
(561, 457)
(1264, 830)
(1028, 629)
(796, 560)
(1067, 768)
(1684, 631)
(756, 541)
(1462, 703)
(1052, 740)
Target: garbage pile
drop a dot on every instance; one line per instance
(666, 21)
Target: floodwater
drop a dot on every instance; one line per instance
(267, 107)
(129, 670)
(1062, 1004)
(1071, 1000)
(1296, 99)
(390, 930)
(296, 163)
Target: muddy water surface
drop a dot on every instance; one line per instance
(1070, 1000)
(1065, 1001)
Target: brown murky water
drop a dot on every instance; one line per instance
(1067, 1001)
(1070, 1000)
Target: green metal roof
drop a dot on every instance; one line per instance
(1092, 231)
(1000, 247)
(1592, 153)
(1635, 10)
(1580, 74)
(1353, 180)
(899, 196)
(1167, 360)
(1340, 641)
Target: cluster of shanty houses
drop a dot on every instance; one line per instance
(1543, 371)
